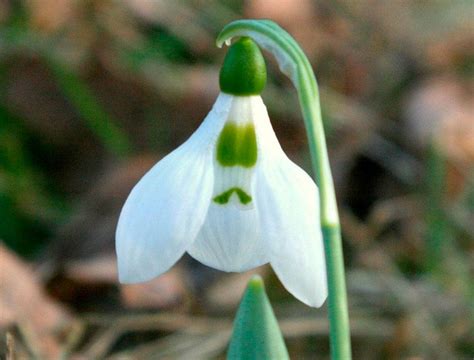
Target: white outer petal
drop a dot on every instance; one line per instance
(166, 209)
(288, 203)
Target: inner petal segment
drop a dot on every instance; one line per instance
(230, 238)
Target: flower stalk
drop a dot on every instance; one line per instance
(294, 63)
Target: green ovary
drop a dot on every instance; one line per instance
(224, 198)
(237, 145)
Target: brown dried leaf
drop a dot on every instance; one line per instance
(51, 15)
(297, 16)
(165, 291)
(441, 110)
(24, 303)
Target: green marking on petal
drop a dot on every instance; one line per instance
(224, 198)
(237, 145)
(248, 153)
(243, 196)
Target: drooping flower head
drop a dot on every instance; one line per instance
(229, 196)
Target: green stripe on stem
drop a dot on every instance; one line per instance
(294, 63)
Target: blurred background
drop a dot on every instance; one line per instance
(94, 92)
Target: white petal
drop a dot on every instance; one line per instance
(166, 209)
(288, 203)
(230, 239)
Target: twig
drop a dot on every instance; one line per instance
(30, 339)
(100, 345)
(10, 346)
(164, 347)
(73, 339)
(210, 347)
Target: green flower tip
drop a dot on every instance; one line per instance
(256, 334)
(243, 72)
(256, 283)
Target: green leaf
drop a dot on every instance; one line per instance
(256, 334)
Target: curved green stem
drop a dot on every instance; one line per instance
(294, 63)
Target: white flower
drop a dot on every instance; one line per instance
(232, 199)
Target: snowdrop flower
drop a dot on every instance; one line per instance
(228, 196)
